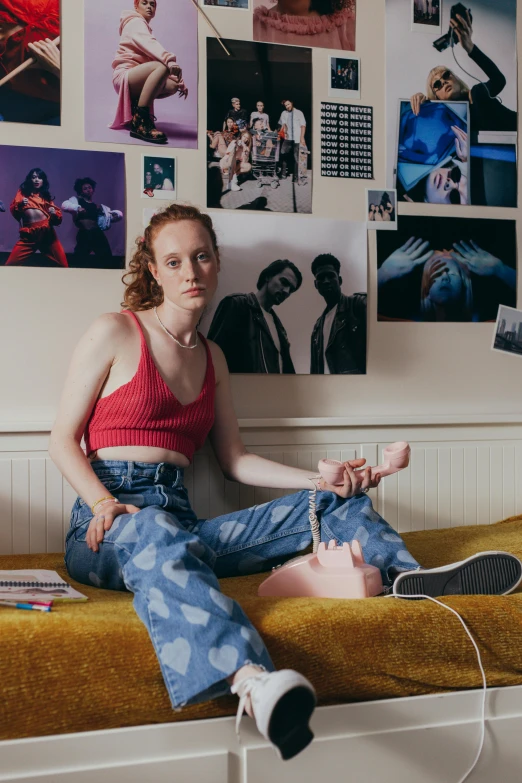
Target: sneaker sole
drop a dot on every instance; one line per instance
(493, 574)
(288, 729)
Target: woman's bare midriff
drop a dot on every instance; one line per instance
(33, 216)
(140, 454)
(87, 225)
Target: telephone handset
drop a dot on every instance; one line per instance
(396, 457)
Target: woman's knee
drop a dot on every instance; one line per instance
(161, 69)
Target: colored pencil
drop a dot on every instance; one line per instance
(14, 605)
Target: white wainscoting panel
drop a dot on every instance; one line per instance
(450, 482)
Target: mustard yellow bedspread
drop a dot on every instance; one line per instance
(89, 666)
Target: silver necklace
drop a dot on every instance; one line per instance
(171, 335)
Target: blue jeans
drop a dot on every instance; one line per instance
(172, 561)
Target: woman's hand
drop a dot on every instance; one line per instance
(52, 211)
(103, 522)
(355, 481)
(402, 261)
(461, 143)
(182, 90)
(177, 74)
(47, 55)
(475, 259)
(416, 101)
(463, 31)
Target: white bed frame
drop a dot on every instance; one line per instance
(462, 472)
(432, 739)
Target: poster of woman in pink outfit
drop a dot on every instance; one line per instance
(140, 89)
(329, 24)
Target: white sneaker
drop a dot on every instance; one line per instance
(282, 703)
(235, 186)
(486, 573)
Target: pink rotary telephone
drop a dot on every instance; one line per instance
(333, 572)
(336, 571)
(396, 457)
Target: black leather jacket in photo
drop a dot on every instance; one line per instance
(346, 349)
(240, 330)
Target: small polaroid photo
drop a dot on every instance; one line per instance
(381, 209)
(241, 4)
(158, 177)
(508, 331)
(344, 79)
(426, 16)
(148, 213)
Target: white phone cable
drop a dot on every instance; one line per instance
(316, 537)
(483, 675)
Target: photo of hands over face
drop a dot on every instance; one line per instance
(431, 270)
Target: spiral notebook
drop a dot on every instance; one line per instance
(27, 585)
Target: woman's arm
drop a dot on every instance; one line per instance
(464, 31)
(71, 205)
(56, 213)
(240, 465)
(17, 206)
(137, 29)
(497, 80)
(90, 365)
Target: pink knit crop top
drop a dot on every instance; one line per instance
(144, 412)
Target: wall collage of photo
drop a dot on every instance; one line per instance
(292, 295)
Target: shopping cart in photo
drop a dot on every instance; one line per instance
(265, 157)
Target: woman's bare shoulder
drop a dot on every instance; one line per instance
(218, 359)
(110, 328)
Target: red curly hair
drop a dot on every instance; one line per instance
(142, 292)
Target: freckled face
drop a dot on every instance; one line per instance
(186, 265)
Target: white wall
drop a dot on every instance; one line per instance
(413, 369)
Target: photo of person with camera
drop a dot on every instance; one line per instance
(474, 62)
(487, 113)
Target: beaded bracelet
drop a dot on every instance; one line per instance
(103, 500)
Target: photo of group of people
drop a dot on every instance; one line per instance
(158, 178)
(243, 4)
(446, 269)
(139, 88)
(381, 209)
(344, 78)
(259, 110)
(30, 62)
(425, 14)
(65, 210)
(292, 295)
(453, 139)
